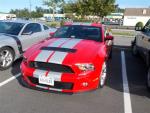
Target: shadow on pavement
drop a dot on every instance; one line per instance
(16, 67)
(136, 72)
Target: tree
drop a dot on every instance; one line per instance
(54, 5)
(99, 8)
(24, 13)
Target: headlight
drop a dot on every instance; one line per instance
(86, 67)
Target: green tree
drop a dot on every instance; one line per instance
(24, 13)
(21, 13)
(99, 8)
(54, 5)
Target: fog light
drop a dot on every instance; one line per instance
(85, 84)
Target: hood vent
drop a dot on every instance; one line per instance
(59, 49)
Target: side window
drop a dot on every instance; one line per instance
(37, 28)
(45, 27)
(146, 28)
(33, 27)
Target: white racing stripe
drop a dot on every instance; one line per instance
(59, 57)
(9, 80)
(38, 73)
(127, 99)
(44, 55)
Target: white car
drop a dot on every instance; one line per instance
(17, 36)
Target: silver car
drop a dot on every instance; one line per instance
(17, 36)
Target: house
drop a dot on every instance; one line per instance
(134, 15)
(7, 16)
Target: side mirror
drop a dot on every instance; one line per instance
(27, 33)
(109, 37)
(52, 34)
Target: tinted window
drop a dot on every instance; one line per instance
(79, 32)
(146, 28)
(32, 28)
(11, 27)
(45, 27)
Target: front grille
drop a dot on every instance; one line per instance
(57, 85)
(51, 67)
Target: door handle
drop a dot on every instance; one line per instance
(143, 37)
(148, 40)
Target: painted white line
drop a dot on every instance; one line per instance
(127, 98)
(9, 80)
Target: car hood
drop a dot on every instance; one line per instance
(64, 50)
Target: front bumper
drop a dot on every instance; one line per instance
(69, 83)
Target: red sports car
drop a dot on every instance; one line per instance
(72, 60)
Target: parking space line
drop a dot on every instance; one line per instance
(9, 80)
(127, 98)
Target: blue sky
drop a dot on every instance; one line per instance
(6, 5)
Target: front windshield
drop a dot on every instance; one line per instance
(79, 32)
(11, 27)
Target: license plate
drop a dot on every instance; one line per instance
(46, 80)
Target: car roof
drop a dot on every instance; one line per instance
(84, 24)
(20, 21)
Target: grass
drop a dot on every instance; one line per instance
(53, 24)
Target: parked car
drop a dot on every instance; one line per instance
(141, 46)
(74, 60)
(17, 36)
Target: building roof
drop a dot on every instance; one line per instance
(137, 12)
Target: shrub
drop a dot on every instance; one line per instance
(139, 25)
(53, 25)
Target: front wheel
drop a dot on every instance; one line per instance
(134, 50)
(148, 80)
(103, 75)
(6, 58)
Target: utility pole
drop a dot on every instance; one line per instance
(30, 4)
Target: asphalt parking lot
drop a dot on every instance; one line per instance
(113, 98)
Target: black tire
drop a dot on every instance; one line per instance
(134, 50)
(11, 57)
(110, 55)
(148, 59)
(148, 80)
(104, 71)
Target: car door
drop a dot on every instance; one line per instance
(46, 32)
(146, 42)
(30, 35)
(143, 39)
